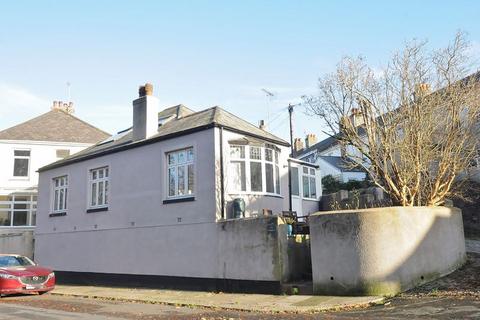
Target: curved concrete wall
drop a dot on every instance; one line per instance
(384, 250)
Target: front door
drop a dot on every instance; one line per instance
(296, 197)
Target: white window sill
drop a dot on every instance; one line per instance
(19, 178)
(310, 199)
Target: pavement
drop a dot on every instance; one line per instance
(225, 301)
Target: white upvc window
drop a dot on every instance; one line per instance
(309, 183)
(254, 169)
(181, 173)
(60, 194)
(98, 187)
(237, 168)
(21, 163)
(18, 210)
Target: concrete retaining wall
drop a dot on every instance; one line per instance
(254, 249)
(384, 250)
(17, 241)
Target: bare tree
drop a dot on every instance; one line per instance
(412, 127)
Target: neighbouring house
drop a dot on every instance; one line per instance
(25, 148)
(187, 197)
(330, 156)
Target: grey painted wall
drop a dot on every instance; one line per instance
(139, 234)
(384, 250)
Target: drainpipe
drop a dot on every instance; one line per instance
(289, 186)
(222, 176)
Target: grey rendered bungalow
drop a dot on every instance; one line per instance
(157, 200)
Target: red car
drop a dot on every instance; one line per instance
(21, 275)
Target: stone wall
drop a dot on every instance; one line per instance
(356, 199)
(384, 250)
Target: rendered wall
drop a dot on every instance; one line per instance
(243, 249)
(41, 154)
(17, 241)
(140, 234)
(384, 250)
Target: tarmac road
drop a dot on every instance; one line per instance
(50, 307)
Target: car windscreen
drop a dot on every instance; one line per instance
(14, 261)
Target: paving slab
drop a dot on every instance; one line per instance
(225, 301)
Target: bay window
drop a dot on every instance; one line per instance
(180, 173)
(254, 169)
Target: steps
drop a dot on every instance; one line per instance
(298, 288)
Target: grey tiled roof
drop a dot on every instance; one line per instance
(343, 164)
(55, 125)
(192, 122)
(179, 111)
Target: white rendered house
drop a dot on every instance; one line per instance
(24, 148)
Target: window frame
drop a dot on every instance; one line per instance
(309, 176)
(177, 165)
(96, 181)
(247, 160)
(9, 207)
(58, 188)
(29, 158)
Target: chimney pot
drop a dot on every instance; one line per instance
(310, 140)
(146, 90)
(261, 125)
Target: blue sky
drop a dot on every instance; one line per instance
(201, 53)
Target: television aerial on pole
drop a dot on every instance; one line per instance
(270, 95)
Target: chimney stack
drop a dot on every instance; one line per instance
(421, 90)
(63, 106)
(356, 117)
(145, 113)
(310, 140)
(298, 144)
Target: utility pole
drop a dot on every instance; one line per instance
(290, 114)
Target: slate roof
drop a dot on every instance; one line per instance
(193, 122)
(343, 164)
(179, 111)
(319, 146)
(55, 125)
